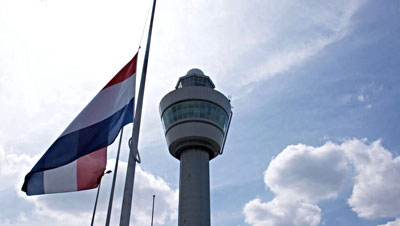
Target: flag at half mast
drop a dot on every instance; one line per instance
(77, 159)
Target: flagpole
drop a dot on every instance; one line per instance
(134, 153)
(95, 204)
(110, 202)
(97, 197)
(152, 210)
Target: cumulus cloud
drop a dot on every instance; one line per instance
(376, 191)
(76, 208)
(166, 199)
(392, 223)
(280, 212)
(301, 176)
(146, 185)
(12, 167)
(307, 173)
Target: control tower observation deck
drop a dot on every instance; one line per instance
(196, 120)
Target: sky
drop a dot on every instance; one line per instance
(315, 90)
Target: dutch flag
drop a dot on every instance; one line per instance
(77, 159)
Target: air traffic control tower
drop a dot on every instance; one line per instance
(196, 120)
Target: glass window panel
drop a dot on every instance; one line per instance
(225, 123)
(222, 121)
(190, 108)
(208, 111)
(180, 110)
(184, 110)
(190, 114)
(221, 118)
(165, 119)
(166, 124)
(171, 117)
(218, 115)
(187, 81)
(213, 111)
(196, 109)
(202, 109)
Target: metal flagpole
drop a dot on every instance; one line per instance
(152, 211)
(114, 179)
(134, 153)
(97, 197)
(95, 204)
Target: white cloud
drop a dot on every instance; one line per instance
(285, 47)
(392, 223)
(76, 208)
(58, 62)
(304, 175)
(52, 64)
(166, 206)
(239, 45)
(369, 93)
(307, 173)
(12, 167)
(376, 191)
(280, 212)
(146, 185)
(361, 98)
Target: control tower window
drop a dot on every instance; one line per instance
(195, 81)
(195, 109)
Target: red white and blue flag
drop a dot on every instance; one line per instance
(77, 159)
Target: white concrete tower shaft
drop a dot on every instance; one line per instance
(194, 188)
(196, 120)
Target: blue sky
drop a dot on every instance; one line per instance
(314, 86)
